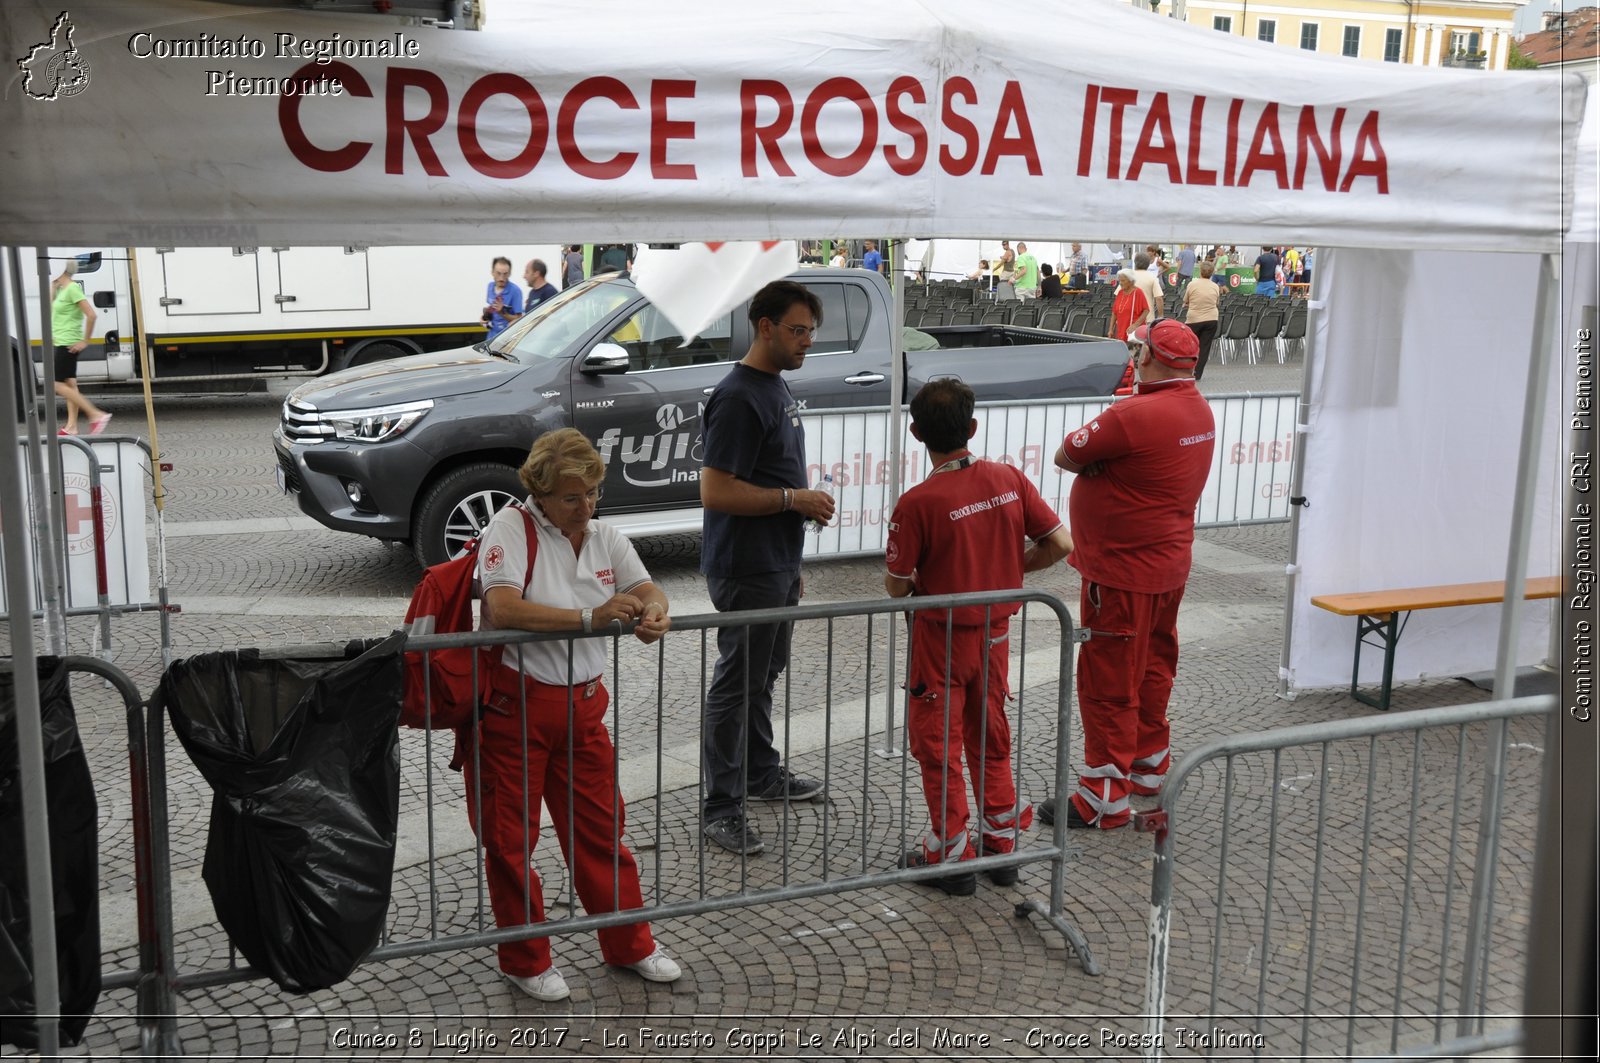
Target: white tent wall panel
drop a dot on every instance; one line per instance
(1415, 410)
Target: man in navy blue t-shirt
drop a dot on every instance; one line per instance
(539, 286)
(756, 503)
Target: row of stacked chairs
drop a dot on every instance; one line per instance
(1249, 326)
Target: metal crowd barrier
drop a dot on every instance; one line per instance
(836, 725)
(1248, 482)
(1287, 918)
(110, 596)
(153, 994)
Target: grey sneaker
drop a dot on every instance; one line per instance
(657, 967)
(548, 985)
(734, 834)
(794, 787)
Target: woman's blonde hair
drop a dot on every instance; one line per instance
(557, 455)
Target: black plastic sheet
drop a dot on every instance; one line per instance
(74, 865)
(303, 761)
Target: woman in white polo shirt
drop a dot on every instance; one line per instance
(586, 576)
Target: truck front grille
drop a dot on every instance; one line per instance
(303, 424)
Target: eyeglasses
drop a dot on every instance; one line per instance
(591, 496)
(797, 331)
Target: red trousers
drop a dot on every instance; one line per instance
(508, 822)
(977, 722)
(1124, 682)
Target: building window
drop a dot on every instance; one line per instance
(1392, 41)
(1267, 30)
(1352, 41)
(1222, 22)
(1308, 36)
(1464, 42)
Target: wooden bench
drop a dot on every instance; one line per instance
(1384, 613)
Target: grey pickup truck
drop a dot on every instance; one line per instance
(424, 449)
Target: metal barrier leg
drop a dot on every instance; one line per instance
(158, 1019)
(1053, 914)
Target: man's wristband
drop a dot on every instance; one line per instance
(588, 619)
(788, 499)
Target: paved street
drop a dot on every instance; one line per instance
(866, 972)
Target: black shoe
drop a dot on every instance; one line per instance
(1075, 820)
(791, 786)
(962, 885)
(734, 834)
(1000, 876)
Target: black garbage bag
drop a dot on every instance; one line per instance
(74, 864)
(304, 763)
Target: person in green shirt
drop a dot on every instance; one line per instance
(1027, 279)
(72, 319)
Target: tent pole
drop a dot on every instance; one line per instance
(897, 401)
(1511, 613)
(1297, 471)
(25, 688)
(46, 516)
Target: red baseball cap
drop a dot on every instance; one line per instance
(1171, 341)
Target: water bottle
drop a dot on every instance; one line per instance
(824, 484)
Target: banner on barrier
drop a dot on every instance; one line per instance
(1249, 479)
(124, 471)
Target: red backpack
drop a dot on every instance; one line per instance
(442, 605)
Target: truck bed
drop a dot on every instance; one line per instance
(1037, 362)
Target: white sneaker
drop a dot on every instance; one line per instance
(548, 986)
(657, 967)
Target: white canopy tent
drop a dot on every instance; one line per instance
(227, 124)
(188, 122)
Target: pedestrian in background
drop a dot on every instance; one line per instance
(72, 319)
(539, 287)
(972, 525)
(1027, 280)
(870, 257)
(1140, 469)
(1078, 268)
(503, 300)
(752, 488)
(1267, 268)
(1129, 307)
(1185, 265)
(1145, 277)
(1049, 283)
(572, 266)
(1200, 299)
(542, 734)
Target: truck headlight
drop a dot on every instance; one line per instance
(376, 424)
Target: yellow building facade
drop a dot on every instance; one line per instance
(1463, 33)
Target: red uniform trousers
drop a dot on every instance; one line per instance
(1124, 682)
(594, 851)
(977, 717)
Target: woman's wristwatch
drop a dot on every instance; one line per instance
(588, 619)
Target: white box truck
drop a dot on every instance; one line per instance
(253, 312)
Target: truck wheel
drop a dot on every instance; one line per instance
(458, 507)
(372, 352)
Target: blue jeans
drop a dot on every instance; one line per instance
(1267, 288)
(736, 744)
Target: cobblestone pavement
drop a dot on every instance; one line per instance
(896, 971)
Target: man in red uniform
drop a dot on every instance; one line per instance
(1141, 466)
(965, 528)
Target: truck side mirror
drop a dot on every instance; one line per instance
(87, 263)
(105, 300)
(605, 358)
